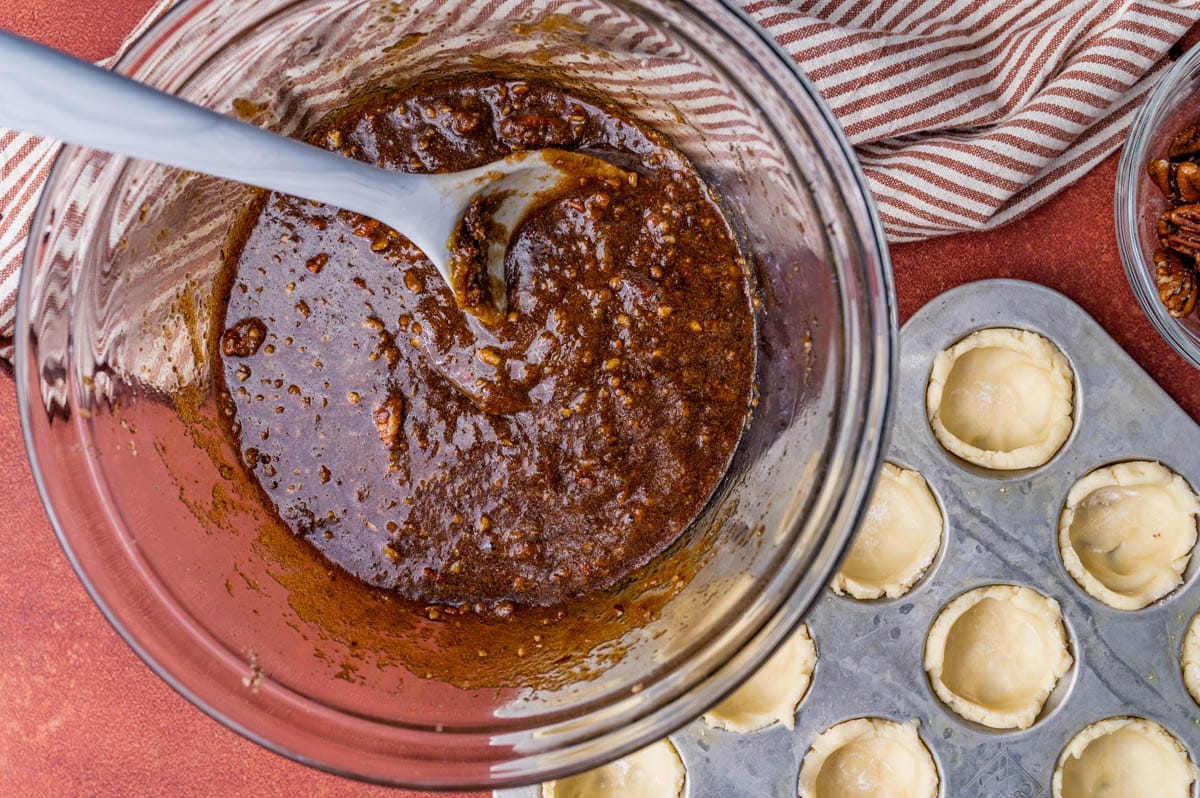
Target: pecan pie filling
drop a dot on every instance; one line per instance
(539, 458)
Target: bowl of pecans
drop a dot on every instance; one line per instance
(1157, 206)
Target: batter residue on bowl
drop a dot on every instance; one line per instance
(597, 417)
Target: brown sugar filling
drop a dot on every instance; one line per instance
(599, 415)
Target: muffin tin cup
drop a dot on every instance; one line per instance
(1001, 528)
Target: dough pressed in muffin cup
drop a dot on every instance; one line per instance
(869, 756)
(655, 771)
(1124, 756)
(1002, 399)
(898, 540)
(1127, 532)
(1189, 658)
(773, 693)
(994, 654)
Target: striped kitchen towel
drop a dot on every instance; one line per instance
(964, 113)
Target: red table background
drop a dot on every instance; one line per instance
(79, 712)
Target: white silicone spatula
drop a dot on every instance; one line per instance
(48, 93)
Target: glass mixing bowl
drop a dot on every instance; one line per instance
(115, 376)
(1170, 107)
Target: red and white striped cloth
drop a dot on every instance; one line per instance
(964, 113)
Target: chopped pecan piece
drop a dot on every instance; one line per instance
(367, 228)
(387, 419)
(317, 262)
(1176, 282)
(1179, 229)
(533, 131)
(244, 338)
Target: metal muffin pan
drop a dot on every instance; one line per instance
(1001, 528)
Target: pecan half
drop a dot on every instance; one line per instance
(1176, 282)
(1161, 173)
(1187, 181)
(1185, 144)
(1178, 181)
(1179, 229)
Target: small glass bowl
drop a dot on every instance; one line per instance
(1138, 203)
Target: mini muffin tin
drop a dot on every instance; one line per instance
(1001, 528)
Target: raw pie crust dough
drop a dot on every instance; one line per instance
(995, 653)
(772, 694)
(869, 758)
(1190, 658)
(656, 771)
(1121, 757)
(898, 540)
(1127, 533)
(1001, 398)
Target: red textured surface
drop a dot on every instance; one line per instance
(91, 29)
(80, 713)
(1068, 244)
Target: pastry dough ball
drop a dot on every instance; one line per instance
(869, 758)
(1001, 398)
(897, 541)
(1122, 757)
(656, 771)
(995, 653)
(1190, 659)
(772, 694)
(1127, 533)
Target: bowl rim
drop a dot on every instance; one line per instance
(1130, 171)
(860, 439)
